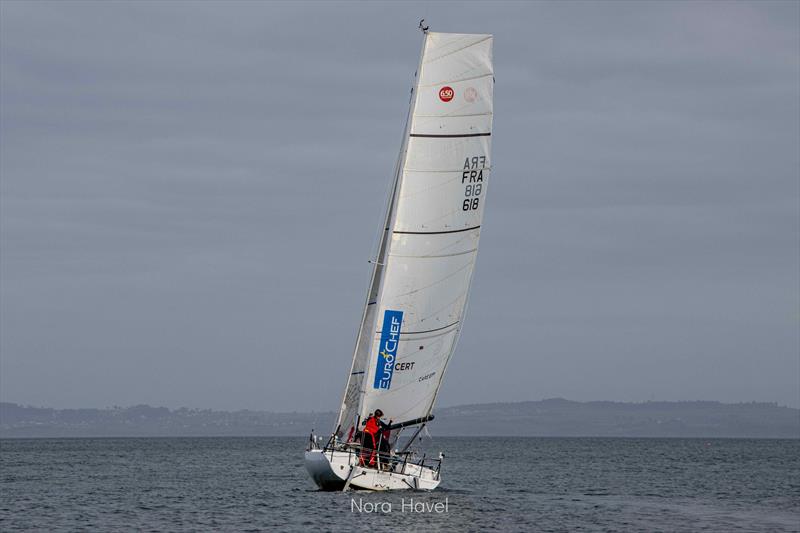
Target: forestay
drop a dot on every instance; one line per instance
(426, 258)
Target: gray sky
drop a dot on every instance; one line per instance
(190, 193)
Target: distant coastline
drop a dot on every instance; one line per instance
(545, 418)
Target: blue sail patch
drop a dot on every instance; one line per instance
(387, 349)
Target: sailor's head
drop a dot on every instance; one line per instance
(378, 413)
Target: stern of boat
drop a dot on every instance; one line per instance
(339, 469)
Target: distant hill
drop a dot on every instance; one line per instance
(553, 417)
(564, 418)
(147, 421)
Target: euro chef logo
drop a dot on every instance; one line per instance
(387, 349)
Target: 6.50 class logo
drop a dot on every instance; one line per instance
(446, 93)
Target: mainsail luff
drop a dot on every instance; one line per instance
(353, 393)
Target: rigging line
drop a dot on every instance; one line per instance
(450, 136)
(435, 232)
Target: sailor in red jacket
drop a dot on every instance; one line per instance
(373, 428)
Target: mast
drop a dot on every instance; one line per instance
(376, 279)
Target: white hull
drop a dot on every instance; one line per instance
(336, 470)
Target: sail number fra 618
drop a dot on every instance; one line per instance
(472, 176)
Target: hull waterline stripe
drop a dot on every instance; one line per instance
(449, 136)
(435, 232)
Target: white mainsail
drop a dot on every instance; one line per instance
(420, 284)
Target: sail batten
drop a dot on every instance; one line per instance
(451, 135)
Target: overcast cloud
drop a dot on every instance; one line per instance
(190, 193)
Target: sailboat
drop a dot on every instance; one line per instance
(418, 292)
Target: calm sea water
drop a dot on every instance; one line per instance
(489, 484)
